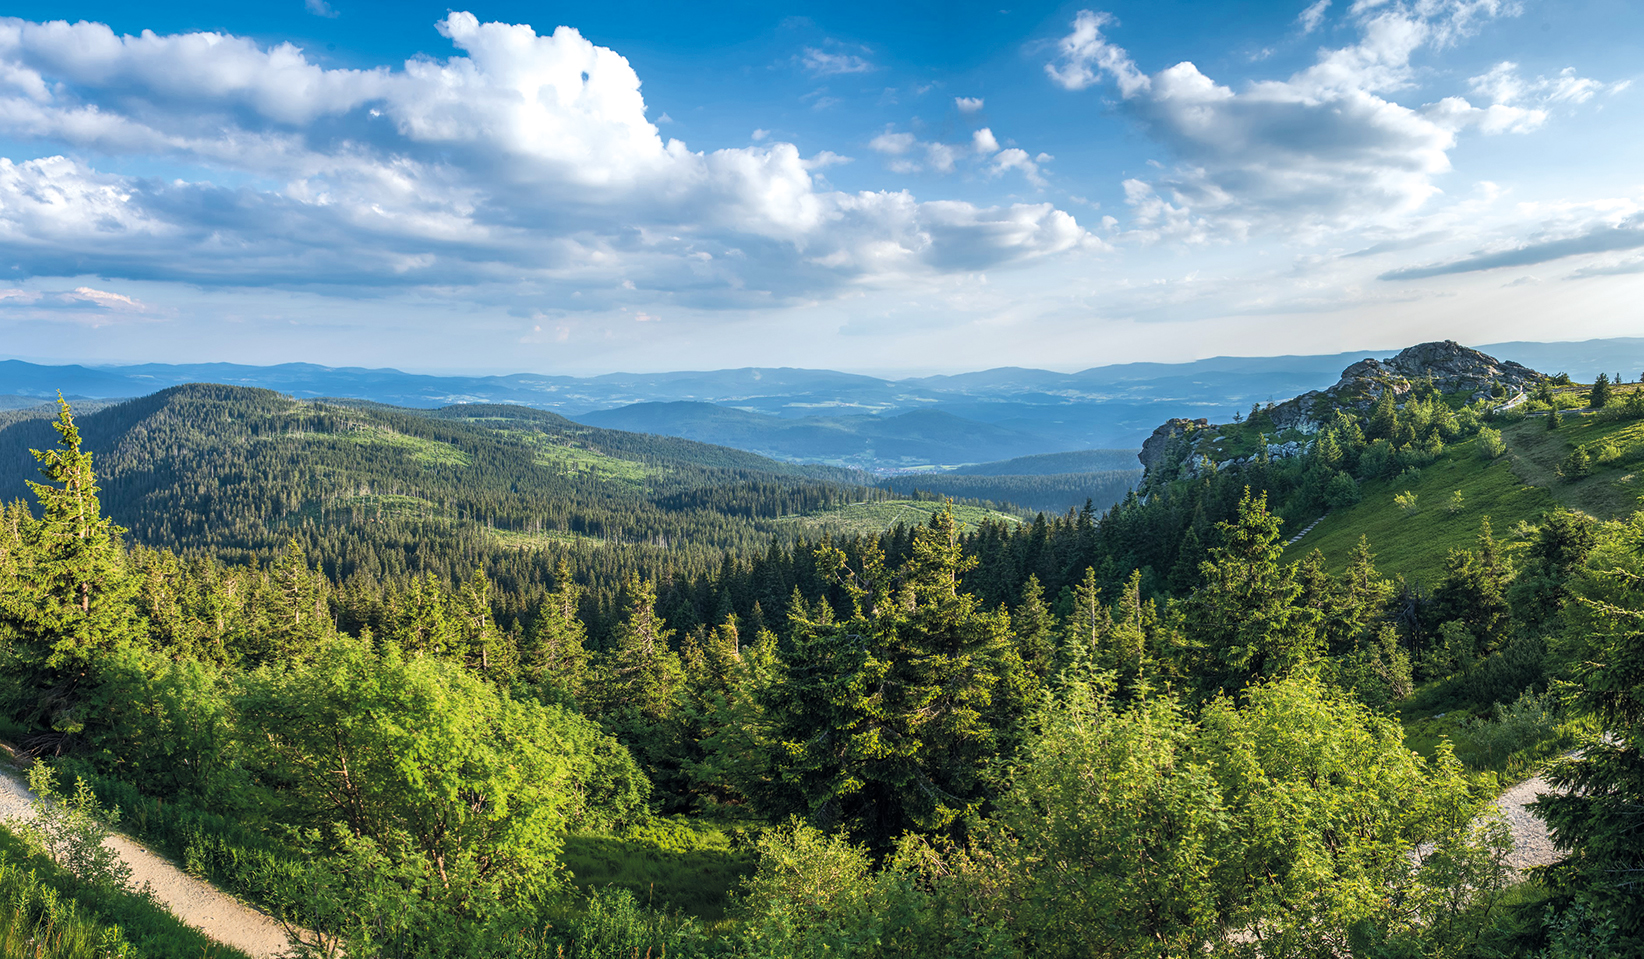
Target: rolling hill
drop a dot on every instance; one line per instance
(1015, 411)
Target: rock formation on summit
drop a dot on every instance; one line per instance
(1451, 367)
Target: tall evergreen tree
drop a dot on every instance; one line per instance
(1247, 617)
(77, 596)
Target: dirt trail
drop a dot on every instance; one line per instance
(198, 903)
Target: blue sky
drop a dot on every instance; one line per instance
(878, 187)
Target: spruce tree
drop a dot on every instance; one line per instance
(555, 653)
(78, 597)
(1248, 617)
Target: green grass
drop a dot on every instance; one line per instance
(420, 450)
(1417, 544)
(553, 453)
(516, 539)
(857, 519)
(45, 913)
(671, 864)
(1537, 453)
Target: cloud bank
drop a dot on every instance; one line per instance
(524, 157)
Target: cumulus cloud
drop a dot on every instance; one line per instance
(1326, 148)
(906, 153)
(968, 104)
(1084, 55)
(523, 155)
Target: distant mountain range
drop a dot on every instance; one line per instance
(824, 416)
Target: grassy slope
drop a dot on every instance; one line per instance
(864, 518)
(1416, 544)
(691, 866)
(1519, 487)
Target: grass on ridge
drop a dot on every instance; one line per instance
(855, 519)
(1417, 544)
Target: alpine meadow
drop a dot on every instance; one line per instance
(830, 481)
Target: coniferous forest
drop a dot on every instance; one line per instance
(485, 682)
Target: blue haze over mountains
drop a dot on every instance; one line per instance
(825, 416)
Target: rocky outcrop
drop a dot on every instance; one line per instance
(1451, 368)
(1155, 446)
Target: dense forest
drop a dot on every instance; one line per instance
(305, 670)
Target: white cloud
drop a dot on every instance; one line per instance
(1085, 55)
(823, 63)
(82, 304)
(1327, 148)
(320, 8)
(1310, 18)
(1017, 159)
(968, 104)
(907, 153)
(524, 158)
(893, 144)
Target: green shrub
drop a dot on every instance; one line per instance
(1490, 443)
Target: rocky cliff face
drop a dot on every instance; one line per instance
(1155, 446)
(1451, 367)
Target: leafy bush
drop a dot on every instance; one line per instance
(1490, 443)
(71, 829)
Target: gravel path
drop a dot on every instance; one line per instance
(1531, 844)
(198, 903)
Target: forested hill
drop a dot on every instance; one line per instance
(370, 488)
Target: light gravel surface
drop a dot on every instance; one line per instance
(198, 903)
(1531, 844)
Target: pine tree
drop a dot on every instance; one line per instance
(645, 674)
(77, 597)
(1033, 627)
(555, 653)
(1599, 396)
(1248, 616)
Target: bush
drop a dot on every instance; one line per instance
(1490, 443)
(1506, 673)
(1406, 501)
(71, 829)
(1578, 464)
(1341, 492)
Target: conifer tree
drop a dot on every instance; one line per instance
(1599, 396)
(77, 595)
(1248, 617)
(555, 653)
(1034, 627)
